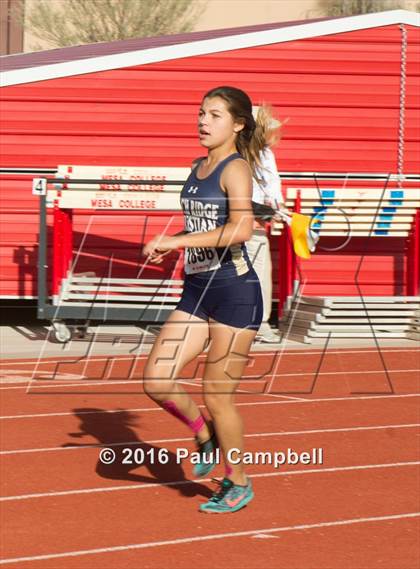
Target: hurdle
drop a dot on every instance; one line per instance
(87, 297)
(370, 212)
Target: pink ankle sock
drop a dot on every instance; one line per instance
(196, 425)
(228, 470)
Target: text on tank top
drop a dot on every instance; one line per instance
(206, 206)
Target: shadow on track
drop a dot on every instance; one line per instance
(116, 428)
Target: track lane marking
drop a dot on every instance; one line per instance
(243, 404)
(264, 353)
(188, 439)
(201, 480)
(209, 537)
(249, 379)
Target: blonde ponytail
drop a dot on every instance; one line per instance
(266, 134)
(267, 128)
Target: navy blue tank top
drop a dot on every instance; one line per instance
(206, 207)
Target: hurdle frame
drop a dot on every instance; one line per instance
(62, 244)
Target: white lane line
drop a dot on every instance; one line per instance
(84, 384)
(243, 404)
(188, 439)
(18, 376)
(65, 359)
(248, 380)
(248, 392)
(201, 480)
(210, 537)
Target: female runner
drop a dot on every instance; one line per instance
(221, 305)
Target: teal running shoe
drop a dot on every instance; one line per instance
(229, 498)
(208, 456)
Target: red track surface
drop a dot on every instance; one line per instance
(62, 508)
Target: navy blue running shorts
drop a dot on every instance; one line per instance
(236, 301)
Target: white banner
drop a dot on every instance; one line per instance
(143, 201)
(116, 173)
(355, 194)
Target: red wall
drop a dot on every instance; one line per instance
(340, 94)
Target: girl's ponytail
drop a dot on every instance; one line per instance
(250, 143)
(266, 134)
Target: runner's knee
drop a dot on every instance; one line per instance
(154, 383)
(218, 403)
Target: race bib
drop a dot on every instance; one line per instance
(200, 259)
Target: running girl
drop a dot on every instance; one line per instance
(221, 305)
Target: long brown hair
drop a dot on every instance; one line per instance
(240, 107)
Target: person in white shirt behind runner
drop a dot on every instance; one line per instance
(266, 191)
